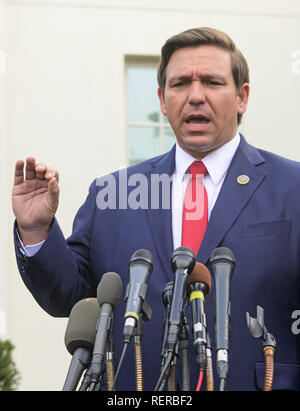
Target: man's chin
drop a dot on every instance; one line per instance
(197, 146)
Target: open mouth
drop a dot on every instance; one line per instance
(197, 119)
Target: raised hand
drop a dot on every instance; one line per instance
(34, 199)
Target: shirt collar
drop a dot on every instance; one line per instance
(216, 163)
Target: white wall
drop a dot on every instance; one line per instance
(65, 104)
(4, 204)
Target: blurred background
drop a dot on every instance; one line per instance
(78, 91)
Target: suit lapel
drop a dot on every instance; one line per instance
(233, 197)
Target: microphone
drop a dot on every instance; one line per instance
(222, 265)
(140, 269)
(109, 292)
(79, 339)
(199, 284)
(182, 262)
(166, 299)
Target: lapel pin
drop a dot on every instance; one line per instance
(243, 179)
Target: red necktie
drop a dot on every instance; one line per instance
(194, 217)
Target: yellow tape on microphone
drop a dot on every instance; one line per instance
(197, 294)
(131, 314)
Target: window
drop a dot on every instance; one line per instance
(149, 132)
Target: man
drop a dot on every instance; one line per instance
(251, 205)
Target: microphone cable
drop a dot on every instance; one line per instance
(126, 343)
(208, 370)
(164, 373)
(200, 380)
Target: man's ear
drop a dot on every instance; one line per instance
(162, 101)
(243, 97)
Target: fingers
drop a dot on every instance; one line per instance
(32, 170)
(50, 173)
(44, 173)
(19, 173)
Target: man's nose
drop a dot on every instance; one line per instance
(196, 93)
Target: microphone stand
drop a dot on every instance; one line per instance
(139, 331)
(166, 297)
(109, 364)
(258, 330)
(100, 382)
(146, 314)
(184, 352)
(172, 371)
(165, 372)
(169, 361)
(182, 263)
(86, 380)
(208, 366)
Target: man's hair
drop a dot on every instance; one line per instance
(204, 36)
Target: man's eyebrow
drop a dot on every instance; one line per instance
(179, 78)
(185, 77)
(213, 77)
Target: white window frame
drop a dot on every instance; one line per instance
(162, 125)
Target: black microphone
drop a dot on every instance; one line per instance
(140, 269)
(80, 338)
(222, 265)
(199, 284)
(166, 299)
(109, 292)
(182, 262)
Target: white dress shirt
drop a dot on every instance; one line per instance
(216, 163)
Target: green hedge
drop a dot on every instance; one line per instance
(9, 375)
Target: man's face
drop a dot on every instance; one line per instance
(200, 98)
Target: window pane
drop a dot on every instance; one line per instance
(143, 102)
(144, 143)
(165, 119)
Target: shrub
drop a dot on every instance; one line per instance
(9, 375)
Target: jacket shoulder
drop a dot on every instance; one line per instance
(281, 165)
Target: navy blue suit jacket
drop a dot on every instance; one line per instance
(258, 221)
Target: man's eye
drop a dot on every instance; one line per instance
(179, 84)
(213, 83)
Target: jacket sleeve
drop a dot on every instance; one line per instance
(60, 273)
